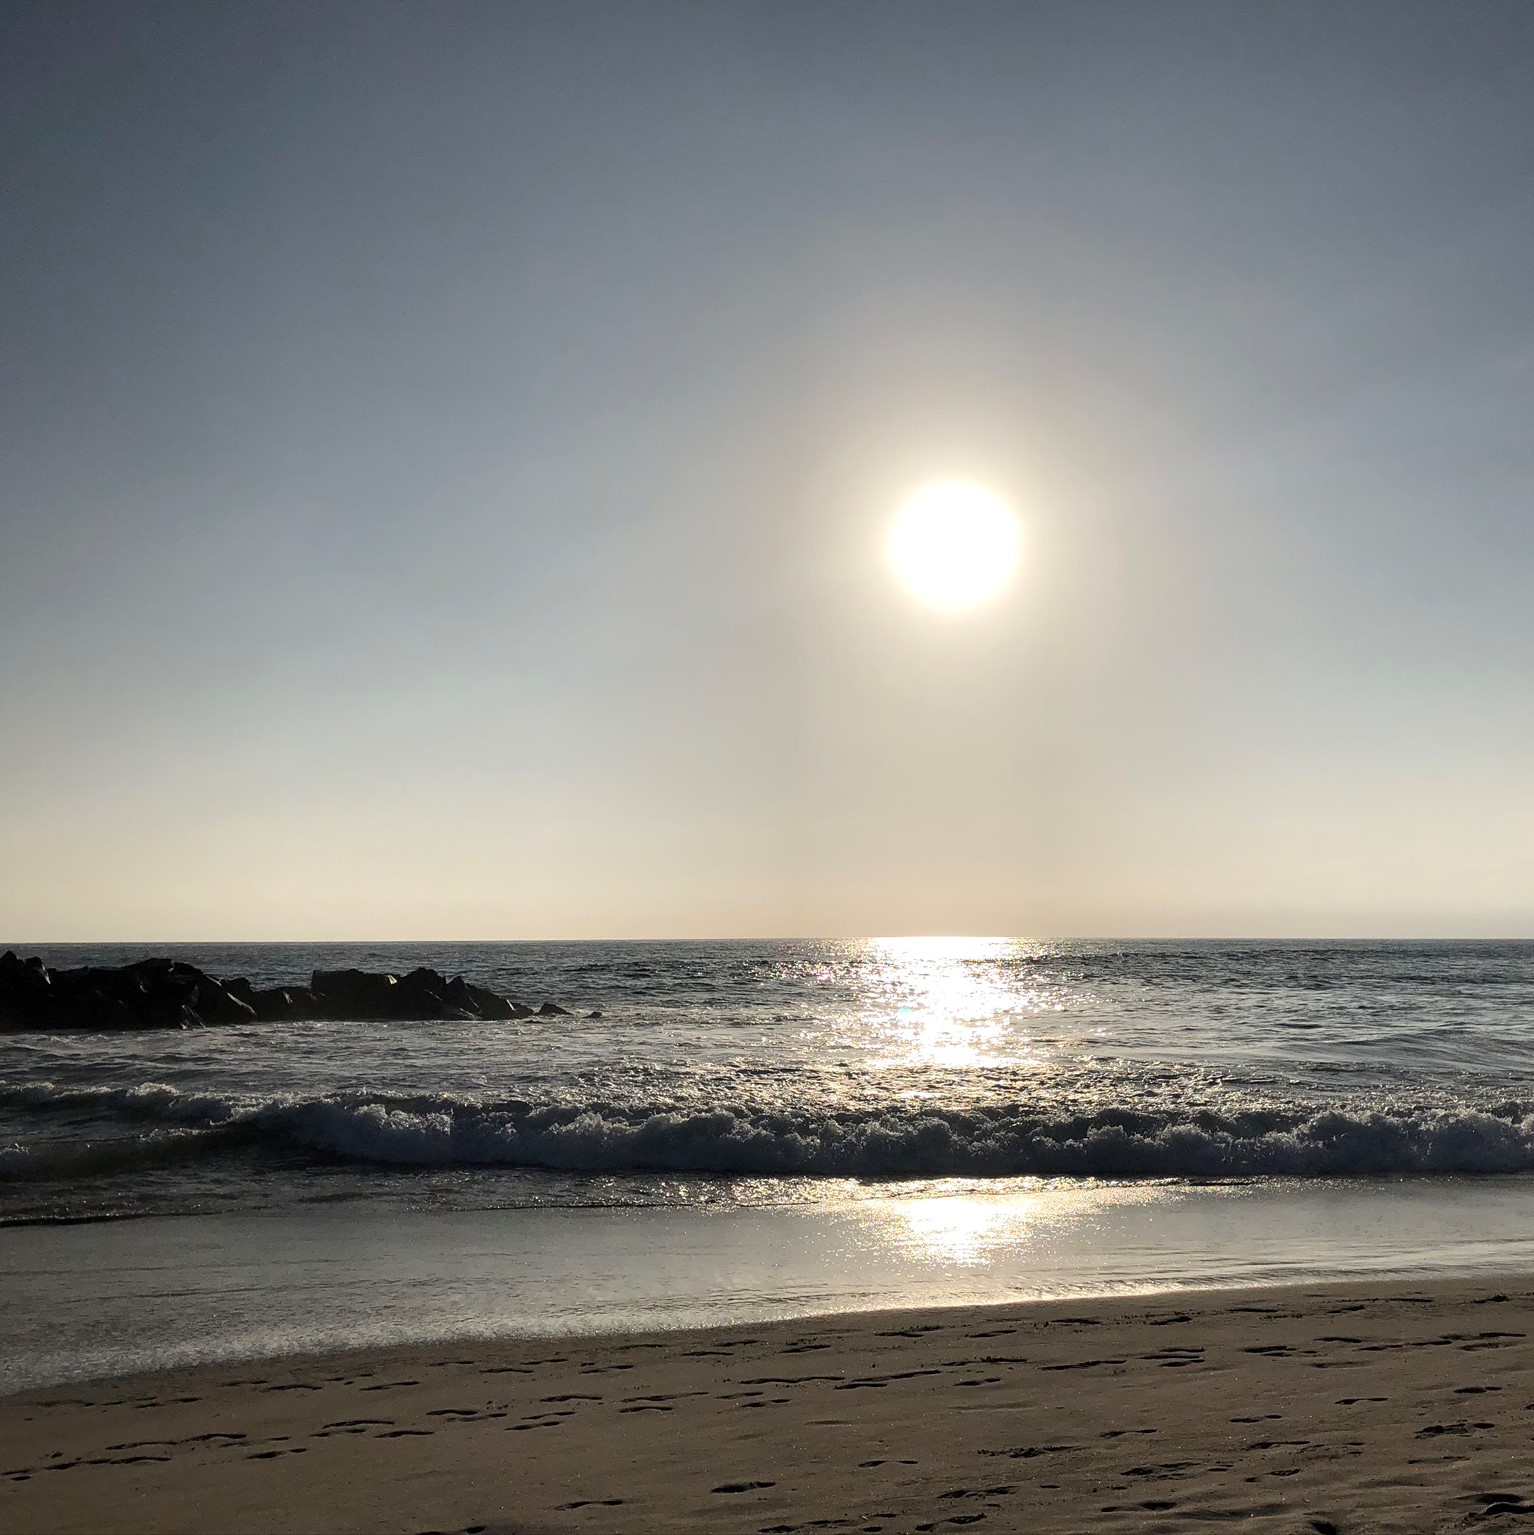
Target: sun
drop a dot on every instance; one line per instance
(954, 545)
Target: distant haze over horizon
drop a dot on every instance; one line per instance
(449, 454)
(945, 945)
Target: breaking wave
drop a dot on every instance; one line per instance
(896, 1140)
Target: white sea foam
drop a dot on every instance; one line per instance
(999, 1141)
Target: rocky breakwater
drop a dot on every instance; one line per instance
(171, 994)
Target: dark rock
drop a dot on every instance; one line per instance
(421, 995)
(14, 967)
(424, 978)
(144, 995)
(480, 1002)
(161, 993)
(284, 1004)
(487, 1004)
(553, 1010)
(171, 993)
(217, 1004)
(81, 1007)
(355, 994)
(24, 990)
(424, 994)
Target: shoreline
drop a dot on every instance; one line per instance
(104, 1300)
(1347, 1406)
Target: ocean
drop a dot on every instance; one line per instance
(954, 1118)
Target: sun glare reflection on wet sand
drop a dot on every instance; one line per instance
(962, 1226)
(967, 1229)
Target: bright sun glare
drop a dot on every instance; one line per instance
(954, 545)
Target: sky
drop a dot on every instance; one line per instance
(447, 452)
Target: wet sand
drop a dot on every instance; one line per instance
(1346, 1408)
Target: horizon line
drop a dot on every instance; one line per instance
(1294, 937)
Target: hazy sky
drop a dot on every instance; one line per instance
(447, 453)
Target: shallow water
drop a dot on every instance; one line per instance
(106, 1298)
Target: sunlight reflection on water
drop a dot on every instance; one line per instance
(954, 1002)
(969, 1229)
(965, 1231)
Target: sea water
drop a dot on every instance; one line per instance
(754, 1129)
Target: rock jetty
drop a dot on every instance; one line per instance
(171, 994)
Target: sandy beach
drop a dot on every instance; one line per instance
(1352, 1407)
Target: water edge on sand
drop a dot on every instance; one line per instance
(109, 1298)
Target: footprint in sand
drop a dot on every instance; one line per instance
(1033, 1451)
(1166, 1470)
(1496, 1503)
(1176, 1358)
(789, 1380)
